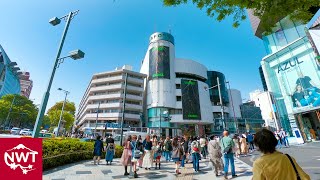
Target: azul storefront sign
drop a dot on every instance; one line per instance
(161, 36)
(289, 64)
(296, 77)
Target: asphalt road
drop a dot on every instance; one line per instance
(307, 155)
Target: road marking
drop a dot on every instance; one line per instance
(310, 167)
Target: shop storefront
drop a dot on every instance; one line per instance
(293, 75)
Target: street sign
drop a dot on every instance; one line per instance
(112, 125)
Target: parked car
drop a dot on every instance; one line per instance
(43, 131)
(26, 132)
(46, 135)
(87, 140)
(15, 130)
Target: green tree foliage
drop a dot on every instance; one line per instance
(269, 11)
(46, 121)
(23, 113)
(68, 114)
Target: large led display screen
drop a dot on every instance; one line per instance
(299, 81)
(159, 66)
(190, 100)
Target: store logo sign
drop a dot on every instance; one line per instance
(19, 160)
(289, 64)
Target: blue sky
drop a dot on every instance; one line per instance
(116, 33)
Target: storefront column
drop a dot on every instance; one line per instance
(301, 127)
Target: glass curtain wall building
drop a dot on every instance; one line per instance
(9, 75)
(292, 74)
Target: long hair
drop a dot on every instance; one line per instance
(175, 142)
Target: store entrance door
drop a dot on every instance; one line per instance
(309, 124)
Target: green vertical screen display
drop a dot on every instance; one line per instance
(190, 100)
(159, 66)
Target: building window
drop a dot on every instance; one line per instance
(175, 111)
(178, 86)
(133, 102)
(178, 98)
(134, 85)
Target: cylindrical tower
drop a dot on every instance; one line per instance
(161, 74)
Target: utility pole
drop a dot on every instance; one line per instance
(95, 129)
(14, 98)
(123, 106)
(221, 105)
(61, 114)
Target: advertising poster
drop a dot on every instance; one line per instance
(299, 78)
(159, 66)
(190, 100)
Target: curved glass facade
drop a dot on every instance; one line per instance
(214, 92)
(9, 80)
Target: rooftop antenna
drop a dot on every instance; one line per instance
(169, 29)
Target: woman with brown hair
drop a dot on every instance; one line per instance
(156, 149)
(126, 155)
(177, 153)
(243, 145)
(136, 154)
(147, 159)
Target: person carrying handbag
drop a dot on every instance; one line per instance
(273, 164)
(227, 145)
(177, 153)
(195, 153)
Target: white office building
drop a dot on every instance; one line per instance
(177, 101)
(264, 100)
(102, 105)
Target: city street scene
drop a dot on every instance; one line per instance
(160, 89)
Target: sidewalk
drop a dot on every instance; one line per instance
(85, 170)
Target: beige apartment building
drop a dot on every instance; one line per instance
(103, 102)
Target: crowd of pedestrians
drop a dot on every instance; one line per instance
(148, 153)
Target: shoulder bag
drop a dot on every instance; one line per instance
(294, 167)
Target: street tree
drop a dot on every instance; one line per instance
(23, 112)
(68, 114)
(269, 11)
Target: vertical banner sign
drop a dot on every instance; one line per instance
(21, 158)
(159, 65)
(190, 100)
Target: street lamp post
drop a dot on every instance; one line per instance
(95, 129)
(74, 55)
(123, 107)
(61, 114)
(163, 113)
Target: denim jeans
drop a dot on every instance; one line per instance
(286, 141)
(167, 155)
(229, 157)
(195, 161)
(182, 161)
(279, 144)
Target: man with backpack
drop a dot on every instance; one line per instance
(167, 149)
(227, 145)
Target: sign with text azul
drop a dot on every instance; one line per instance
(21, 158)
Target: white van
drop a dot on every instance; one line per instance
(127, 133)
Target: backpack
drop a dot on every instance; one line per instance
(111, 147)
(168, 146)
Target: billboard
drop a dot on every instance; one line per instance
(159, 65)
(299, 81)
(190, 100)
